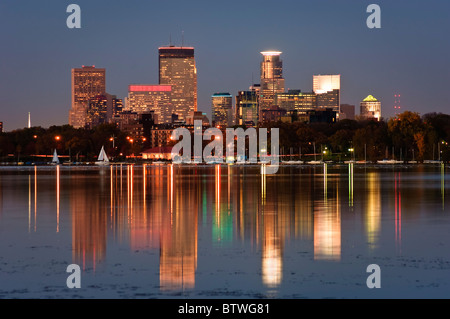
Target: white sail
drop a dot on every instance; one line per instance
(55, 159)
(102, 157)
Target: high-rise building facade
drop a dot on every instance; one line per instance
(87, 83)
(370, 108)
(272, 80)
(143, 98)
(97, 111)
(247, 108)
(295, 100)
(177, 69)
(222, 109)
(1, 127)
(328, 88)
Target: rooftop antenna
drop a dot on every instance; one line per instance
(170, 39)
(182, 38)
(397, 104)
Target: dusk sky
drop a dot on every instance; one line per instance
(409, 55)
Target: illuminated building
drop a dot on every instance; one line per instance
(273, 114)
(157, 98)
(197, 116)
(272, 80)
(222, 109)
(177, 68)
(87, 83)
(247, 108)
(160, 135)
(295, 100)
(327, 88)
(96, 112)
(115, 107)
(1, 127)
(370, 108)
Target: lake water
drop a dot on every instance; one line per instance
(168, 231)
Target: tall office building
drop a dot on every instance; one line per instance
(327, 88)
(143, 98)
(295, 100)
(87, 83)
(247, 108)
(222, 109)
(370, 108)
(177, 68)
(272, 80)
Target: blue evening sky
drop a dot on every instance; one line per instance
(408, 55)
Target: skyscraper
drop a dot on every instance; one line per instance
(87, 83)
(370, 108)
(143, 98)
(247, 108)
(222, 109)
(177, 68)
(327, 88)
(295, 100)
(272, 80)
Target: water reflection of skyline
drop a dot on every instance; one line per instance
(161, 207)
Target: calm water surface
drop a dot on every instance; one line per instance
(163, 231)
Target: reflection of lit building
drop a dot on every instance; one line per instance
(178, 253)
(272, 237)
(327, 231)
(370, 108)
(272, 80)
(177, 68)
(222, 109)
(327, 88)
(89, 218)
(373, 208)
(222, 221)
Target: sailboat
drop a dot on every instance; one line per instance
(55, 160)
(102, 158)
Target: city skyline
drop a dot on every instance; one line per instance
(329, 38)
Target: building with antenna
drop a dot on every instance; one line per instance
(177, 69)
(397, 104)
